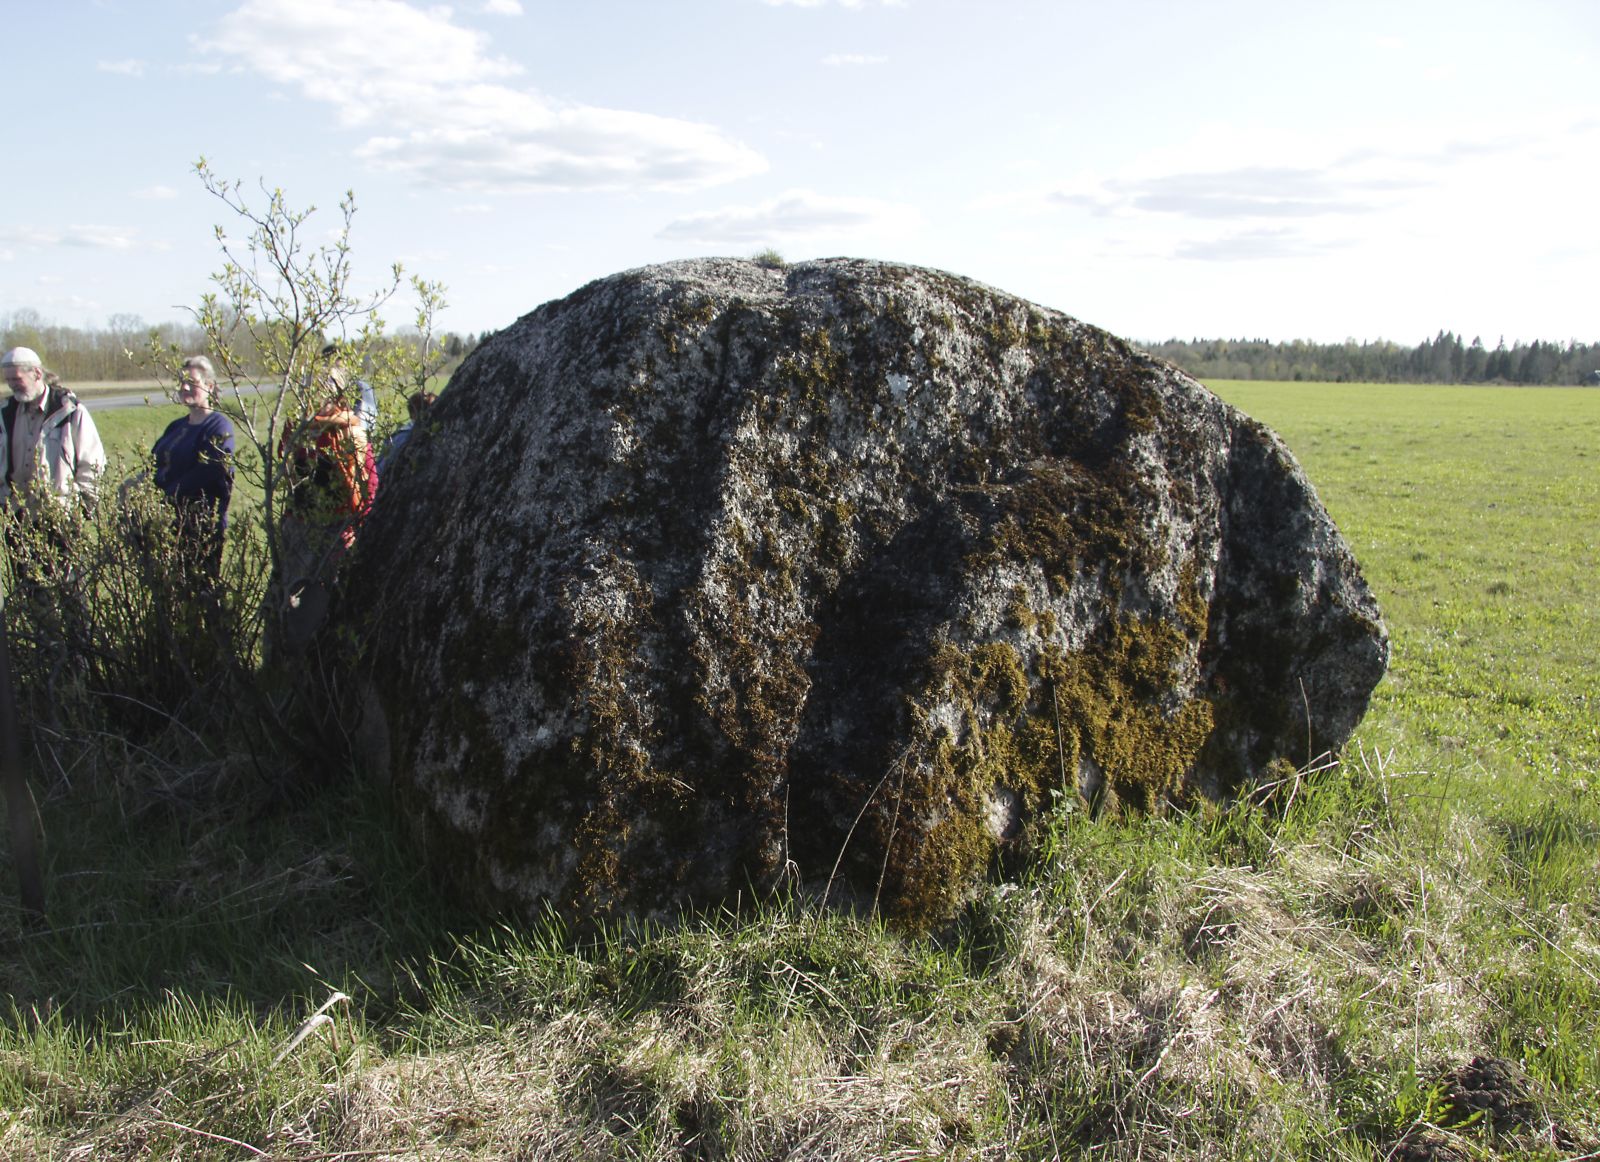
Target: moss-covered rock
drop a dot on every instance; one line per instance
(716, 575)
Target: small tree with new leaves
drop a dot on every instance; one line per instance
(284, 311)
(120, 635)
(285, 308)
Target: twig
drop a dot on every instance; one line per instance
(315, 1021)
(888, 844)
(1306, 702)
(834, 874)
(1061, 750)
(257, 1151)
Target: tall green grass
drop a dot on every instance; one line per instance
(1331, 979)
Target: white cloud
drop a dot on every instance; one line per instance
(156, 193)
(1235, 194)
(793, 216)
(853, 58)
(49, 304)
(502, 7)
(1239, 174)
(820, 3)
(1251, 245)
(1248, 191)
(440, 106)
(77, 237)
(127, 67)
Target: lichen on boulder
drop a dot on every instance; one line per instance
(714, 575)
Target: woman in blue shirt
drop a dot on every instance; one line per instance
(194, 466)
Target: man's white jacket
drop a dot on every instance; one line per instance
(69, 452)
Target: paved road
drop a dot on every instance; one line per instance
(100, 403)
(106, 400)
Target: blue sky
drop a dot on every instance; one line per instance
(1159, 168)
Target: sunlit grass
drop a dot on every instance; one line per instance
(1296, 983)
(1474, 514)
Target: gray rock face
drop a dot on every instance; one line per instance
(712, 575)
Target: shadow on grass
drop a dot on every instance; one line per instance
(215, 891)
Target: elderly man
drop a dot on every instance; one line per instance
(48, 442)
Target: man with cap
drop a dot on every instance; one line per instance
(49, 446)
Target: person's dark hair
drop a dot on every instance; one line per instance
(419, 403)
(335, 378)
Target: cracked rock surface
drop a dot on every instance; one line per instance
(712, 576)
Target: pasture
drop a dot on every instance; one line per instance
(1475, 513)
(1316, 980)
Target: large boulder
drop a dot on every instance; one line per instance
(713, 575)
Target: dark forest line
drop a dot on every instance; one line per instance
(119, 350)
(1442, 359)
(95, 354)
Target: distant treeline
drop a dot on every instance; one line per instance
(1442, 359)
(86, 355)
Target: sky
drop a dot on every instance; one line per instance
(1160, 168)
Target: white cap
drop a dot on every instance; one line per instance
(21, 357)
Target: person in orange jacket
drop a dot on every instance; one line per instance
(332, 478)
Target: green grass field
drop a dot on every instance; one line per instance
(129, 431)
(1403, 962)
(1475, 513)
